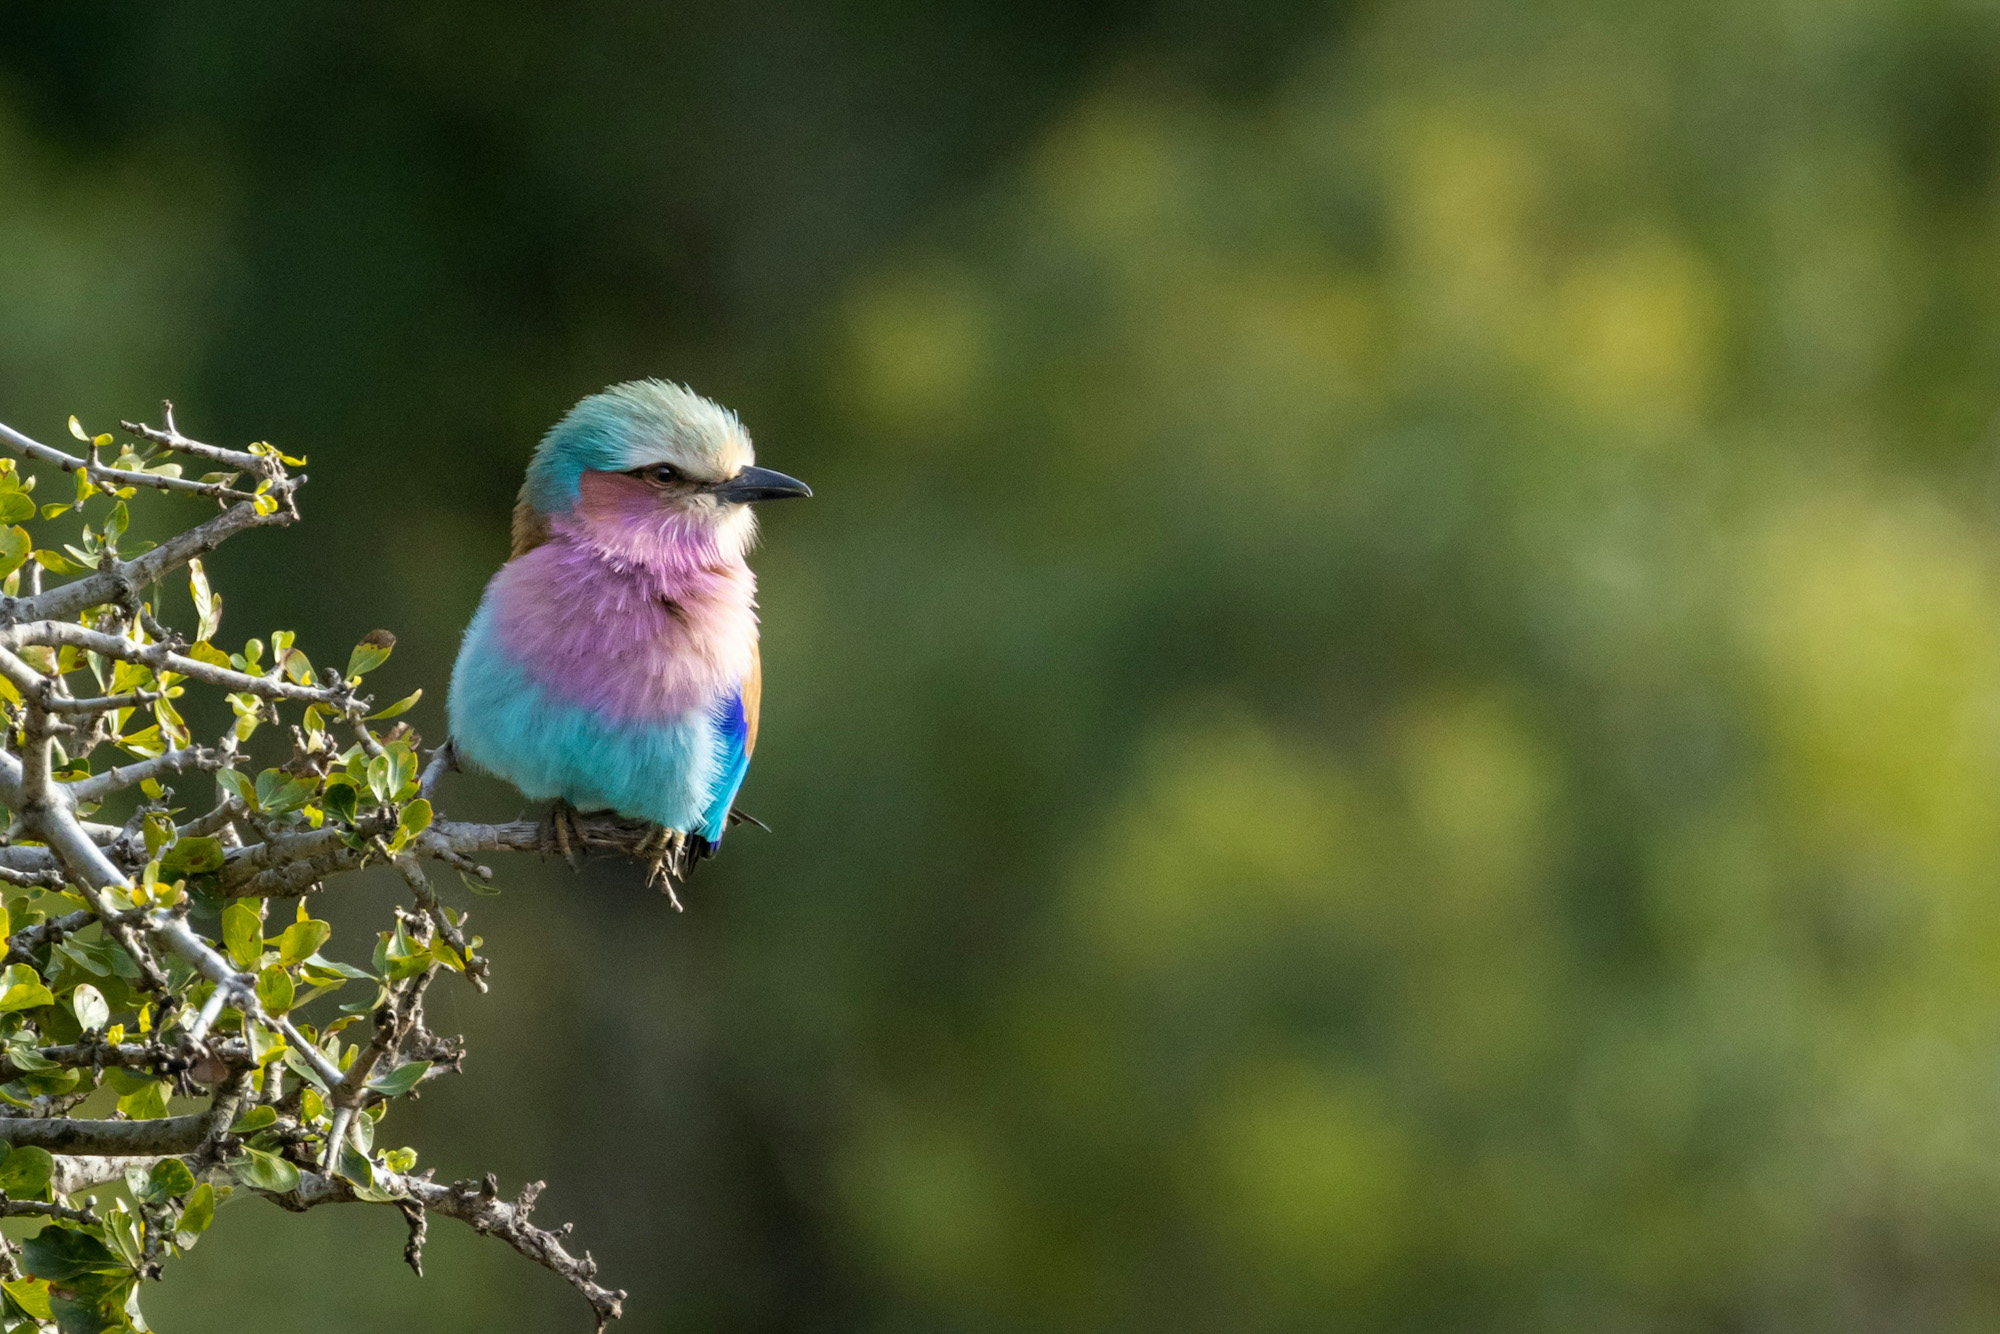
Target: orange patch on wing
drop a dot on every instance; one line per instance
(530, 528)
(753, 699)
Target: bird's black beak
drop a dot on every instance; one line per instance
(759, 484)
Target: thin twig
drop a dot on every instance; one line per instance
(113, 478)
(171, 438)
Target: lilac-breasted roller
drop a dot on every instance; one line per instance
(613, 663)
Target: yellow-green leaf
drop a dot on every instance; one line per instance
(207, 607)
(148, 1104)
(402, 705)
(21, 988)
(275, 990)
(242, 934)
(32, 1295)
(15, 546)
(301, 940)
(370, 653)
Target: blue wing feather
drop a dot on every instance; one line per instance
(732, 738)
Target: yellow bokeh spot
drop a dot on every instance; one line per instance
(1635, 335)
(1314, 1178)
(917, 342)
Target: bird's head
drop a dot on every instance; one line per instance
(648, 459)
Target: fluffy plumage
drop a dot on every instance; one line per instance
(613, 660)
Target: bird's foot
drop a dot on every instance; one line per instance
(561, 835)
(665, 853)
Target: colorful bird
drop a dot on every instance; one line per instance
(613, 664)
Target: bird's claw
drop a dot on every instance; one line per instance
(561, 835)
(665, 852)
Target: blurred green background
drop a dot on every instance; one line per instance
(1389, 714)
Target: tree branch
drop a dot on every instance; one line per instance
(179, 760)
(123, 1139)
(478, 1205)
(108, 477)
(161, 658)
(170, 437)
(295, 864)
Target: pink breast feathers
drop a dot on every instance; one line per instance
(640, 640)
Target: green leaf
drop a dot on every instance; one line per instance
(382, 778)
(299, 1066)
(95, 1313)
(197, 855)
(169, 1178)
(275, 990)
(88, 1278)
(127, 1081)
(404, 958)
(298, 669)
(260, 1170)
(100, 958)
(242, 934)
(238, 786)
(21, 988)
(31, 1295)
(129, 676)
(320, 970)
(416, 817)
(148, 1104)
(403, 771)
(26, 1171)
(278, 791)
(264, 1044)
(57, 563)
(401, 706)
(445, 953)
(24, 1056)
(301, 940)
(16, 505)
(354, 1165)
(478, 886)
(195, 1219)
(376, 1000)
(400, 1080)
(370, 653)
(254, 1120)
(88, 1004)
(146, 743)
(158, 830)
(121, 1230)
(341, 800)
(15, 546)
(207, 607)
(64, 1254)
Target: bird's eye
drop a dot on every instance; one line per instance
(662, 474)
